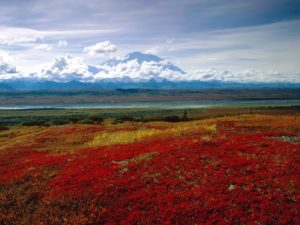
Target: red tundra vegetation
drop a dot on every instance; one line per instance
(234, 170)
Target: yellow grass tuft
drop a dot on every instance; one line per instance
(123, 137)
(180, 129)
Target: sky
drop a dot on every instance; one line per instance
(199, 36)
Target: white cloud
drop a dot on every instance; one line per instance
(62, 44)
(18, 34)
(6, 64)
(7, 68)
(138, 72)
(101, 48)
(22, 40)
(246, 76)
(154, 50)
(66, 68)
(45, 47)
(170, 41)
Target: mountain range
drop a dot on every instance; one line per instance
(135, 70)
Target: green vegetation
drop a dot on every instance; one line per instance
(48, 117)
(44, 117)
(14, 98)
(6, 134)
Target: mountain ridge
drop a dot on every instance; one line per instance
(151, 84)
(135, 70)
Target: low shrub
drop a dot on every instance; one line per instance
(172, 119)
(3, 128)
(96, 119)
(86, 121)
(60, 121)
(74, 119)
(35, 123)
(123, 119)
(6, 134)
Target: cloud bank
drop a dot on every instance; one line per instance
(134, 67)
(246, 76)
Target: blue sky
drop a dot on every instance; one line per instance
(235, 35)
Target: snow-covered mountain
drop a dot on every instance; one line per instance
(134, 67)
(141, 58)
(135, 70)
(138, 67)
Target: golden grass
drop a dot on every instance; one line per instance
(21, 136)
(59, 139)
(70, 138)
(174, 130)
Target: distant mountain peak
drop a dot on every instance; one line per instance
(135, 70)
(141, 58)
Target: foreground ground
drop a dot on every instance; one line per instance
(230, 170)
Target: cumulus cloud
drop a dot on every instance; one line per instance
(7, 68)
(62, 44)
(101, 48)
(136, 67)
(139, 71)
(67, 68)
(6, 63)
(44, 47)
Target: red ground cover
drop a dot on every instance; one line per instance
(237, 177)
